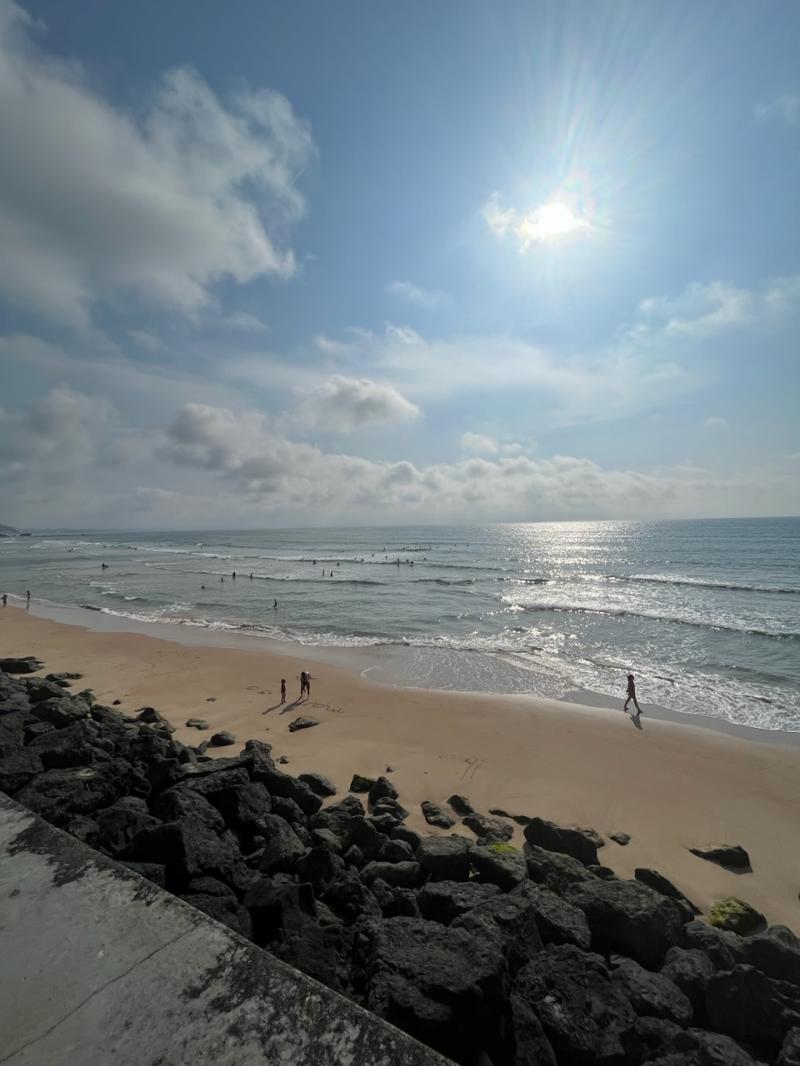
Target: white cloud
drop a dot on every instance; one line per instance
(499, 219)
(715, 423)
(343, 404)
(244, 321)
(784, 108)
(554, 220)
(96, 202)
(145, 340)
(414, 294)
(480, 443)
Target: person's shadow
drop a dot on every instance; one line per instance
(286, 706)
(637, 721)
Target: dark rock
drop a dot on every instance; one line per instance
(318, 950)
(401, 832)
(441, 985)
(558, 921)
(483, 826)
(62, 711)
(76, 745)
(689, 970)
(720, 946)
(326, 838)
(384, 823)
(278, 909)
(17, 769)
(657, 1036)
(499, 864)
(651, 994)
(367, 838)
(628, 917)
(118, 824)
(340, 818)
(150, 716)
(79, 790)
(653, 879)
(197, 723)
(695, 1046)
(350, 899)
(747, 1005)
(396, 851)
(566, 841)
(278, 783)
(283, 846)
(400, 874)
(319, 785)
(39, 689)
(591, 835)
(116, 703)
(382, 789)
(209, 886)
(790, 1050)
(151, 871)
(603, 872)
(301, 723)
(731, 855)
(37, 729)
(320, 867)
(189, 848)
(460, 805)
(445, 858)
(555, 870)
(444, 901)
(29, 664)
(737, 916)
(507, 920)
(81, 827)
(180, 803)
(775, 952)
(284, 760)
(361, 783)
(289, 811)
(584, 1015)
(354, 856)
(393, 808)
(437, 816)
(224, 910)
(395, 901)
(222, 739)
(623, 839)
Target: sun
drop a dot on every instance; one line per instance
(550, 222)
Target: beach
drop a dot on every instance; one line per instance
(668, 785)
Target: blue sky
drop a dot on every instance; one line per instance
(285, 263)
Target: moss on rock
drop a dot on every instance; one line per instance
(734, 914)
(502, 848)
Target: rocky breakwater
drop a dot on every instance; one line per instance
(484, 952)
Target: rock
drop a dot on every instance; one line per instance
(444, 901)
(499, 864)
(650, 994)
(653, 879)
(116, 703)
(278, 909)
(283, 845)
(437, 816)
(566, 841)
(319, 785)
(775, 952)
(76, 745)
(553, 869)
(604, 872)
(396, 851)
(29, 664)
(591, 835)
(361, 783)
(320, 867)
(706, 1049)
(278, 783)
(328, 839)
(734, 914)
(189, 848)
(623, 839)
(488, 830)
(222, 739)
(209, 886)
(401, 832)
(460, 805)
(507, 920)
(180, 803)
(283, 760)
(289, 811)
(302, 723)
(150, 716)
(731, 855)
(81, 827)
(584, 1015)
(400, 874)
(721, 946)
(629, 918)
(224, 909)
(689, 970)
(118, 824)
(747, 1005)
(384, 823)
(341, 818)
(61, 711)
(350, 899)
(77, 790)
(444, 858)
(440, 984)
(151, 871)
(790, 1050)
(558, 921)
(395, 810)
(17, 769)
(197, 723)
(367, 838)
(382, 789)
(394, 901)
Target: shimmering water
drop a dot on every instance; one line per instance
(705, 613)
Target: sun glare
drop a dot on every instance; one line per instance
(550, 222)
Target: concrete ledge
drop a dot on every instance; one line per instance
(98, 966)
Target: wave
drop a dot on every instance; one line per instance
(623, 612)
(705, 583)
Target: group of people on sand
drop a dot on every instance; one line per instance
(27, 598)
(305, 686)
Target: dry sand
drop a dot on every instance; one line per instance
(669, 786)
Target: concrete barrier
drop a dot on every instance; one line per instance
(100, 967)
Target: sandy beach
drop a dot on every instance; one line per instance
(670, 786)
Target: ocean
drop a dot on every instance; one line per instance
(705, 613)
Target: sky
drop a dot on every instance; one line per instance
(272, 264)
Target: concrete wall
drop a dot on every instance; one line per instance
(99, 967)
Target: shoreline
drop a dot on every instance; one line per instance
(669, 787)
(366, 659)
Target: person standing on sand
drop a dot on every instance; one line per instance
(283, 690)
(5, 599)
(303, 683)
(632, 695)
(27, 599)
(308, 685)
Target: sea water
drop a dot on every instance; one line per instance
(706, 613)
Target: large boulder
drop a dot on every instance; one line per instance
(319, 785)
(382, 789)
(553, 869)
(320, 867)
(736, 915)
(444, 858)
(350, 899)
(55, 794)
(558, 921)
(629, 918)
(747, 1005)
(189, 849)
(488, 830)
(341, 818)
(399, 874)
(653, 879)
(553, 837)
(444, 901)
(224, 909)
(732, 856)
(61, 711)
(790, 1050)
(17, 769)
(689, 970)
(650, 994)
(40, 688)
(80, 744)
(118, 824)
(585, 1016)
(436, 815)
(721, 946)
(27, 664)
(280, 784)
(775, 952)
(277, 909)
(499, 864)
(507, 920)
(282, 848)
(442, 985)
(696, 1046)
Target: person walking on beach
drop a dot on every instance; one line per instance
(5, 599)
(632, 695)
(27, 599)
(303, 683)
(283, 690)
